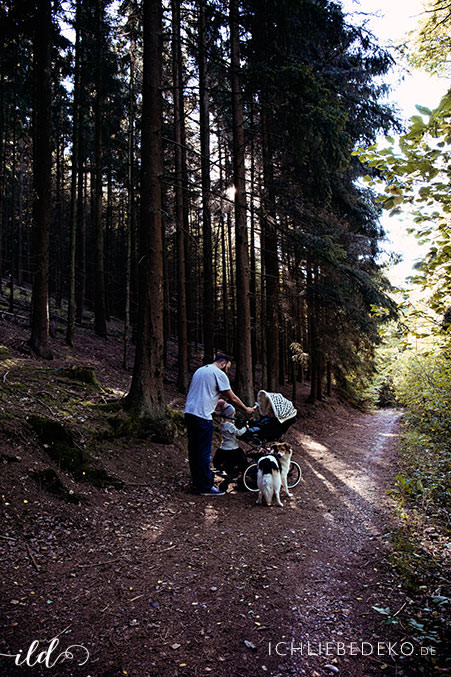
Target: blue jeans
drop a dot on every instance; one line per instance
(200, 439)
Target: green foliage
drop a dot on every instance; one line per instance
(386, 394)
(416, 175)
(178, 421)
(430, 47)
(417, 365)
(424, 388)
(413, 563)
(4, 353)
(421, 381)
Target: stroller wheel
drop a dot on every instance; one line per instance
(250, 477)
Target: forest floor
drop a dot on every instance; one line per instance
(152, 580)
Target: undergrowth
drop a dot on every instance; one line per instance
(420, 383)
(420, 544)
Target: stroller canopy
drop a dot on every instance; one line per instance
(283, 409)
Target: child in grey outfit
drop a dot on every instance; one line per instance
(230, 457)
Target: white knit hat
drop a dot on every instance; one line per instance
(228, 411)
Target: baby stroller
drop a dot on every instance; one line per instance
(275, 414)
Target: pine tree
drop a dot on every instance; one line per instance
(244, 382)
(39, 339)
(145, 399)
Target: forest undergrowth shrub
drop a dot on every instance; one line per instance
(354, 390)
(423, 388)
(422, 491)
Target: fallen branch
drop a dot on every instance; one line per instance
(45, 405)
(5, 375)
(166, 549)
(63, 631)
(30, 554)
(8, 538)
(399, 610)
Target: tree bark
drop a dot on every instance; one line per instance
(145, 398)
(130, 191)
(253, 278)
(100, 303)
(58, 220)
(226, 287)
(80, 279)
(13, 217)
(244, 382)
(39, 339)
(70, 330)
(2, 164)
(204, 119)
(182, 328)
(271, 261)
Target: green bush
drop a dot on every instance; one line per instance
(423, 388)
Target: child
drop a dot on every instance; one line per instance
(230, 457)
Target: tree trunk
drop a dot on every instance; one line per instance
(320, 357)
(226, 289)
(329, 378)
(271, 262)
(244, 381)
(232, 286)
(182, 331)
(313, 305)
(145, 398)
(131, 193)
(13, 217)
(253, 280)
(204, 119)
(70, 330)
(2, 164)
(100, 304)
(39, 339)
(189, 291)
(21, 215)
(263, 324)
(108, 247)
(59, 220)
(80, 280)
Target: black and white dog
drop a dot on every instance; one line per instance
(272, 473)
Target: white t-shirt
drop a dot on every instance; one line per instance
(206, 386)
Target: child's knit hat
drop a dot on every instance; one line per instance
(228, 411)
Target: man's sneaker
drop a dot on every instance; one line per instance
(214, 491)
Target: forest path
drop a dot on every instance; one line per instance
(244, 581)
(155, 581)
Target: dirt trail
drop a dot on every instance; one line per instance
(155, 581)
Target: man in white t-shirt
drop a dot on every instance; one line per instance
(208, 384)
